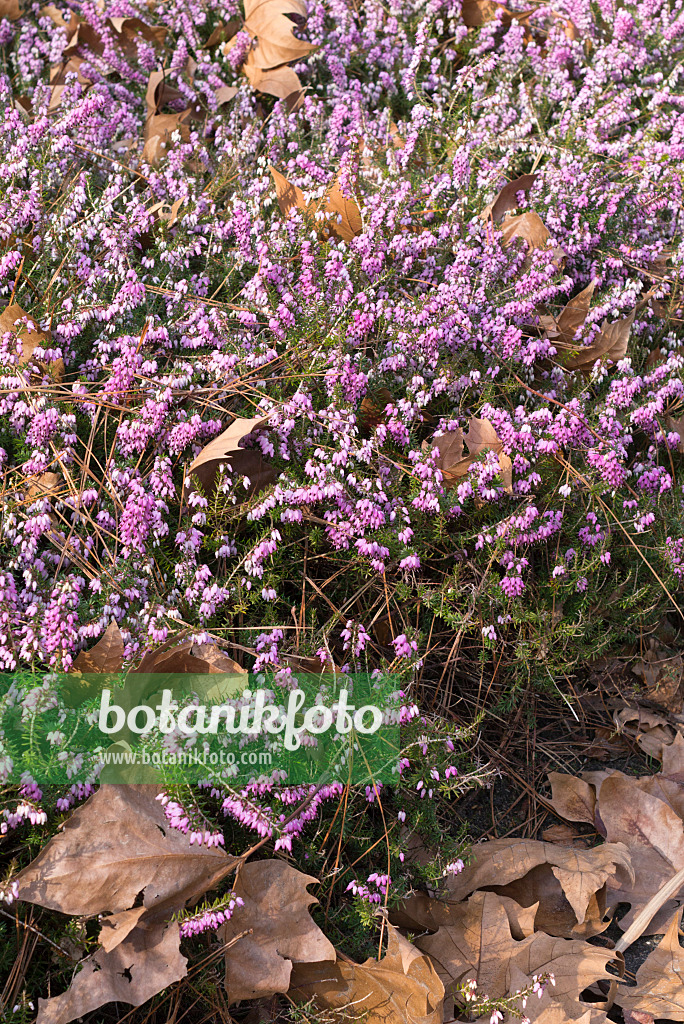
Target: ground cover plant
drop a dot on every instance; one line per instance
(343, 337)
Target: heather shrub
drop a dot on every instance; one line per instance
(155, 291)
(362, 351)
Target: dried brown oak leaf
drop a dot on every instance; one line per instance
(31, 338)
(478, 943)
(58, 76)
(569, 885)
(661, 672)
(281, 82)
(481, 437)
(531, 229)
(478, 12)
(659, 990)
(114, 848)
(282, 931)
(188, 657)
(677, 427)
(562, 330)
(338, 215)
(649, 730)
(128, 30)
(10, 9)
(372, 409)
(611, 344)
(401, 988)
(145, 962)
(116, 845)
(105, 656)
(225, 450)
(507, 199)
(270, 21)
(547, 1010)
(421, 912)
(646, 815)
(159, 132)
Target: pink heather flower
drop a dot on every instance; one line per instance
(403, 647)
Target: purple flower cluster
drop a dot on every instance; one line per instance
(152, 333)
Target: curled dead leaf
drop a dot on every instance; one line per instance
(507, 198)
(281, 82)
(121, 841)
(31, 338)
(10, 9)
(158, 134)
(479, 943)
(147, 960)
(269, 21)
(106, 656)
(562, 330)
(282, 931)
(225, 450)
(401, 988)
(334, 214)
(610, 344)
(659, 991)
(481, 436)
(568, 885)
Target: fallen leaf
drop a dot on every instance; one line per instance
(10, 9)
(401, 988)
(565, 835)
(158, 132)
(58, 76)
(544, 1009)
(105, 656)
(659, 990)
(121, 842)
(344, 215)
(145, 962)
(573, 798)
(276, 905)
(281, 82)
(481, 437)
(129, 29)
(650, 731)
(677, 427)
(224, 31)
(507, 199)
(160, 92)
(529, 226)
(166, 212)
(339, 216)
(290, 197)
(478, 12)
(30, 338)
(372, 409)
(268, 21)
(225, 93)
(611, 344)
(42, 486)
(569, 885)
(311, 666)
(478, 943)
(662, 674)
(572, 317)
(646, 816)
(115, 927)
(225, 450)
(201, 659)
